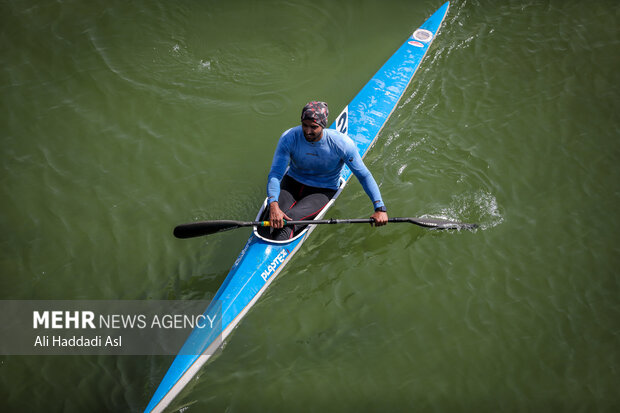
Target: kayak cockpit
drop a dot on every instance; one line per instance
(264, 233)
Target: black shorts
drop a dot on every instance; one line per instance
(300, 202)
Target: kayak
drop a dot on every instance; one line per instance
(262, 259)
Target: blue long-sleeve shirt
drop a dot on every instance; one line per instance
(319, 163)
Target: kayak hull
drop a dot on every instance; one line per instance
(261, 260)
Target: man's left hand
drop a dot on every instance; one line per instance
(380, 218)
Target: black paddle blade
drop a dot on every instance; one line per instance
(438, 223)
(197, 229)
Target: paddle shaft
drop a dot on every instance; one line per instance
(329, 221)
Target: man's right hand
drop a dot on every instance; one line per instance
(276, 216)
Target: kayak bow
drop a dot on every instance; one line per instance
(262, 259)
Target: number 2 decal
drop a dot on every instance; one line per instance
(342, 121)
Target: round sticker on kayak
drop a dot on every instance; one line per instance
(416, 44)
(423, 35)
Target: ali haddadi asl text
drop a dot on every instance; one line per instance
(78, 341)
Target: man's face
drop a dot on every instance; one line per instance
(312, 130)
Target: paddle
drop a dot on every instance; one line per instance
(197, 229)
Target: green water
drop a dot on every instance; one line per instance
(122, 119)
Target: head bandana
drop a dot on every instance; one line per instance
(316, 112)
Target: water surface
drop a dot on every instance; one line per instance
(121, 120)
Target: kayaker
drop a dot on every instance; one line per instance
(306, 168)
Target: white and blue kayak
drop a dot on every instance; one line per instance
(262, 259)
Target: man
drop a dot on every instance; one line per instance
(305, 172)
